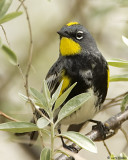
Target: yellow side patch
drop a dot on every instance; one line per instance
(72, 23)
(66, 83)
(108, 73)
(69, 47)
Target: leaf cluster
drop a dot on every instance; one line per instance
(46, 102)
(4, 17)
(120, 63)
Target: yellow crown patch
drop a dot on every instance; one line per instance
(72, 23)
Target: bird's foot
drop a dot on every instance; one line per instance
(104, 130)
(70, 147)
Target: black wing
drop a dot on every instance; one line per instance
(53, 79)
(54, 76)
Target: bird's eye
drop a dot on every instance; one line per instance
(79, 35)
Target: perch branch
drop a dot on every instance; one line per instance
(8, 117)
(113, 123)
(5, 34)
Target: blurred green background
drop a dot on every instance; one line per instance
(107, 20)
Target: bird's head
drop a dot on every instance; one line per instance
(75, 39)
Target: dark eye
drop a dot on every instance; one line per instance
(79, 35)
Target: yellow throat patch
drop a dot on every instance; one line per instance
(69, 47)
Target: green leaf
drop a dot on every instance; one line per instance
(119, 78)
(118, 63)
(46, 91)
(63, 97)
(9, 17)
(18, 127)
(81, 140)
(45, 154)
(0, 43)
(46, 131)
(124, 103)
(113, 157)
(123, 156)
(57, 93)
(4, 5)
(125, 40)
(72, 105)
(1, 5)
(25, 98)
(63, 152)
(41, 100)
(42, 122)
(10, 54)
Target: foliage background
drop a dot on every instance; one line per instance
(105, 19)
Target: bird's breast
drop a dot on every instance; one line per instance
(84, 113)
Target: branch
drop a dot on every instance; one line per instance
(113, 123)
(8, 117)
(114, 100)
(5, 35)
(30, 53)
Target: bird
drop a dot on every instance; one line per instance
(79, 61)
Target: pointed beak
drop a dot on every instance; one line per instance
(59, 32)
(62, 34)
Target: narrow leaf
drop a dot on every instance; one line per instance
(25, 98)
(123, 156)
(57, 93)
(63, 152)
(63, 97)
(45, 154)
(81, 140)
(42, 122)
(119, 78)
(10, 54)
(124, 103)
(113, 157)
(46, 91)
(39, 96)
(72, 105)
(0, 43)
(46, 131)
(4, 5)
(18, 127)
(9, 17)
(118, 63)
(1, 5)
(125, 40)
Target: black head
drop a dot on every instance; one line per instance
(78, 34)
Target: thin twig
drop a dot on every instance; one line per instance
(30, 51)
(113, 100)
(29, 58)
(5, 34)
(111, 105)
(107, 148)
(20, 5)
(125, 134)
(21, 72)
(8, 117)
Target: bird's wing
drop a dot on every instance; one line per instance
(55, 76)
